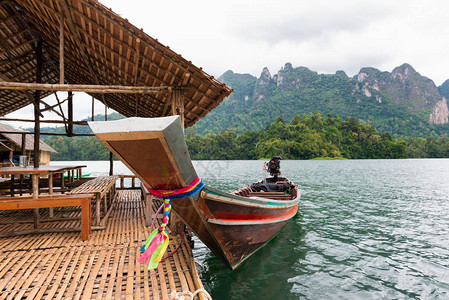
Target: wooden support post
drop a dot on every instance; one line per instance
(105, 112)
(62, 183)
(61, 48)
(37, 97)
(70, 113)
(111, 164)
(148, 208)
(24, 142)
(93, 109)
(175, 223)
(35, 185)
(177, 107)
(12, 186)
(50, 192)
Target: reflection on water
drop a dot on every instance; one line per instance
(366, 229)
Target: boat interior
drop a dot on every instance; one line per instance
(276, 188)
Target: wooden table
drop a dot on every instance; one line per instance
(35, 173)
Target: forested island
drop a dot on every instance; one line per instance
(305, 137)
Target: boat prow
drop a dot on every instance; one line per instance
(153, 149)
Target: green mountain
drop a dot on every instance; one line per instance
(402, 102)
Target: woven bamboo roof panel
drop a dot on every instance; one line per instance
(100, 48)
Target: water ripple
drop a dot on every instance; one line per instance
(368, 229)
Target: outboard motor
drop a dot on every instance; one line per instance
(274, 166)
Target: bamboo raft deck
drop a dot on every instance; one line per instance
(61, 266)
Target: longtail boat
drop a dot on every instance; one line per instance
(233, 225)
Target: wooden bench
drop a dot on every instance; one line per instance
(103, 187)
(51, 201)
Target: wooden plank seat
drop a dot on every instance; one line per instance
(103, 187)
(51, 201)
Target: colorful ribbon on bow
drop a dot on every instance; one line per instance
(155, 246)
(187, 191)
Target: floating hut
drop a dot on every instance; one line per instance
(11, 146)
(49, 46)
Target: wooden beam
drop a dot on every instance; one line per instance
(93, 108)
(70, 114)
(8, 148)
(52, 107)
(61, 110)
(24, 144)
(49, 107)
(136, 71)
(111, 163)
(37, 98)
(87, 88)
(61, 48)
(43, 121)
(47, 133)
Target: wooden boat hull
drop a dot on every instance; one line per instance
(243, 225)
(232, 226)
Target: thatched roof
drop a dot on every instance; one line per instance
(16, 139)
(101, 48)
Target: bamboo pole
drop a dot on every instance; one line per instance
(100, 89)
(111, 163)
(70, 114)
(93, 108)
(44, 121)
(37, 97)
(48, 133)
(24, 141)
(61, 48)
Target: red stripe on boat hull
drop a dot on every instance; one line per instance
(222, 210)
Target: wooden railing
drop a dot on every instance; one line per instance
(135, 182)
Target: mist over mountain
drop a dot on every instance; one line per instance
(401, 102)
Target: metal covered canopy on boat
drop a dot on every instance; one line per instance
(100, 48)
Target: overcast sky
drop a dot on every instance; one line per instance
(323, 35)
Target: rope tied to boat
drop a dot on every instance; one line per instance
(155, 246)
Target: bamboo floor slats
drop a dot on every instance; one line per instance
(61, 266)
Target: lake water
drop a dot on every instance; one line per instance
(366, 229)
